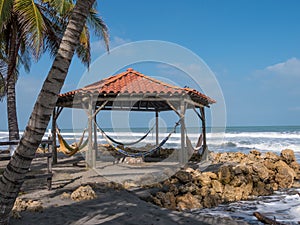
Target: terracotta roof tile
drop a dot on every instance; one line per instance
(132, 82)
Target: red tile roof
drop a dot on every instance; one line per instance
(134, 82)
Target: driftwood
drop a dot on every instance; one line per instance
(266, 220)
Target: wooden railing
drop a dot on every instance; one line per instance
(48, 155)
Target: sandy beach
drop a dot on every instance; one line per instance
(113, 205)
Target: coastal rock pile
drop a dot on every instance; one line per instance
(231, 177)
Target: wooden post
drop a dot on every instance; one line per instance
(182, 153)
(156, 126)
(49, 163)
(89, 153)
(205, 150)
(95, 136)
(53, 131)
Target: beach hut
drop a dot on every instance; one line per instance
(133, 91)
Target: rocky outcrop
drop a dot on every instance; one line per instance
(231, 177)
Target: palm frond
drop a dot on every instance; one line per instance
(83, 50)
(99, 27)
(62, 7)
(32, 25)
(24, 58)
(6, 7)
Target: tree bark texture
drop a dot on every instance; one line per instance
(14, 174)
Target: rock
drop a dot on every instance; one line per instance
(285, 175)
(183, 176)
(28, 205)
(20, 205)
(212, 200)
(269, 164)
(296, 167)
(174, 189)
(255, 152)
(132, 160)
(261, 171)
(166, 200)
(247, 189)
(224, 174)
(216, 186)
(238, 180)
(188, 201)
(204, 180)
(189, 187)
(65, 195)
(288, 156)
(260, 189)
(34, 206)
(129, 184)
(211, 175)
(83, 193)
(271, 156)
(231, 194)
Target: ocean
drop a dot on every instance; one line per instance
(284, 205)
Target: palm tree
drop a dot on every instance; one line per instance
(14, 174)
(31, 28)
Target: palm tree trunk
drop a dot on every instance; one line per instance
(13, 176)
(12, 111)
(11, 84)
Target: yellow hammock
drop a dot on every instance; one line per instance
(71, 150)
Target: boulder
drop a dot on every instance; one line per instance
(261, 171)
(204, 179)
(271, 156)
(166, 200)
(217, 186)
(247, 189)
(285, 175)
(260, 189)
(288, 156)
(188, 201)
(28, 205)
(83, 193)
(183, 176)
(225, 174)
(189, 187)
(231, 194)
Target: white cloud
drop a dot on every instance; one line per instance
(290, 67)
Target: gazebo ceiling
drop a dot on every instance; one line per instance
(132, 90)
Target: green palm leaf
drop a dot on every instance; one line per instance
(32, 25)
(5, 11)
(62, 7)
(99, 27)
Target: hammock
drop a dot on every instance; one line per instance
(140, 154)
(71, 150)
(190, 146)
(120, 143)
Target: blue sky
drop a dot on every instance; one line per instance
(253, 48)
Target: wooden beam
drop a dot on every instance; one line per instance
(53, 131)
(205, 149)
(89, 153)
(156, 127)
(182, 153)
